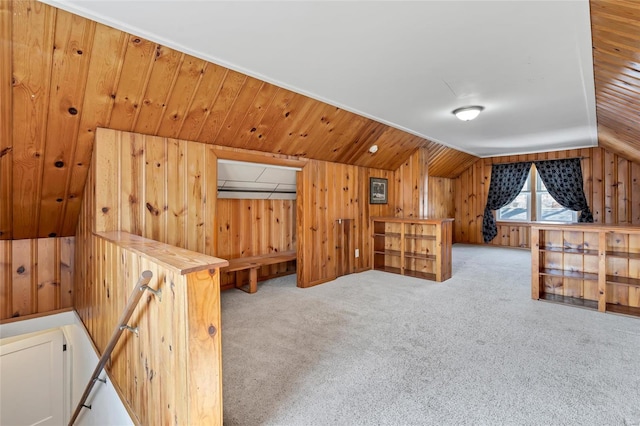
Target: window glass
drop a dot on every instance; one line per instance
(549, 209)
(520, 207)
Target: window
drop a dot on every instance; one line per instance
(548, 209)
(520, 207)
(536, 204)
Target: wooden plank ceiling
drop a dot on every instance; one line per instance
(615, 27)
(62, 76)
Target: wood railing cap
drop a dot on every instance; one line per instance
(427, 220)
(180, 260)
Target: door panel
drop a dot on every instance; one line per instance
(31, 379)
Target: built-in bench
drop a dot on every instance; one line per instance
(253, 264)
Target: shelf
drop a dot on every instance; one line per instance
(388, 252)
(569, 274)
(623, 254)
(388, 269)
(618, 280)
(587, 252)
(420, 274)
(419, 237)
(424, 256)
(607, 252)
(567, 300)
(387, 234)
(408, 247)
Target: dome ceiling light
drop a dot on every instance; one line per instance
(468, 113)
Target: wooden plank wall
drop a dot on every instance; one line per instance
(36, 276)
(62, 76)
(253, 227)
(158, 188)
(611, 184)
(328, 192)
(411, 186)
(156, 370)
(166, 190)
(441, 198)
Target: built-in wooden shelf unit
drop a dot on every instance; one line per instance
(414, 247)
(591, 266)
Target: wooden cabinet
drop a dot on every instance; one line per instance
(591, 266)
(415, 247)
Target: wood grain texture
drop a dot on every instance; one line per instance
(255, 227)
(177, 350)
(36, 276)
(204, 360)
(54, 99)
(610, 183)
(169, 373)
(447, 162)
(615, 26)
(163, 184)
(589, 265)
(128, 83)
(179, 261)
(70, 64)
(6, 117)
(33, 30)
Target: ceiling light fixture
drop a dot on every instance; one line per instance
(468, 113)
(373, 149)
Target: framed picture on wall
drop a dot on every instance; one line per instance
(378, 190)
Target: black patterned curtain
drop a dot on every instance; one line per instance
(563, 179)
(507, 181)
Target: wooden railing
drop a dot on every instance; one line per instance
(171, 371)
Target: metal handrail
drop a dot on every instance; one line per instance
(141, 286)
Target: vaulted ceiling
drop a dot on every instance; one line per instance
(615, 28)
(62, 76)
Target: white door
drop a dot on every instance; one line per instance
(31, 379)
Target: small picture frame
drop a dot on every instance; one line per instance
(378, 190)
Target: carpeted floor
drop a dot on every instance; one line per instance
(380, 349)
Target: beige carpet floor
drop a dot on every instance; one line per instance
(379, 349)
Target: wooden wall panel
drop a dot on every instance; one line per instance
(36, 276)
(33, 29)
(610, 182)
(102, 80)
(167, 184)
(411, 186)
(170, 371)
(253, 227)
(165, 189)
(6, 131)
(441, 198)
(328, 192)
(64, 76)
(73, 39)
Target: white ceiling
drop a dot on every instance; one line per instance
(406, 64)
(239, 179)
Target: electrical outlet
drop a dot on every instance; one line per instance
(357, 252)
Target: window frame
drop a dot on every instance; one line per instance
(534, 193)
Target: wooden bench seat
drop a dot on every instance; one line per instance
(253, 263)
